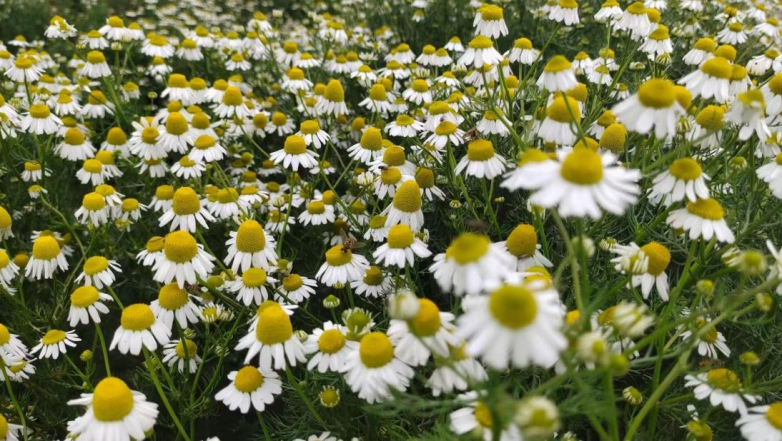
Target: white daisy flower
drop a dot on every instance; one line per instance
(47, 257)
(271, 338)
(702, 218)
(181, 352)
(173, 303)
(401, 248)
(429, 332)
(250, 386)
(711, 343)
(723, 388)
(54, 343)
(187, 209)
(476, 418)
(341, 266)
(655, 105)
(297, 288)
(762, 422)
(86, 304)
(250, 287)
(489, 21)
(374, 283)
(771, 174)
(250, 246)
(330, 348)
(558, 75)
(711, 80)
(374, 370)
(481, 161)
(646, 265)
(183, 260)
(684, 179)
(470, 265)
(114, 413)
(480, 51)
(522, 242)
(139, 328)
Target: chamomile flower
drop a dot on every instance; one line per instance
(139, 328)
(181, 352)
(54, 343)
(522, 242)
(481, 161)
(655, 105)
(429, 332)
(748, 112)
(330, 348)
(455, 373)
(250, 287)
(297, 288)
(250, 246)
(647, 265)
(560, 115)
(232, 105)
(250, 386)
(186, 210)
(762, 422)
(684, 179)
(116, 142)
(98, 271)
(771, 174)
(703, 218)
(24, 70)
(183, 259)
(114, 413)
(476, 418)
(711, 343)
(271, 338)
(333, 100)
(723, 388)
(405, 208)
(558, 75)
(480, 51)
(635, 21)
(374, 283)
(610, 10)
(373, 370)
(295, 154)
(401, 248)
(470, 265)
(8, 271)
(87, 303)
(39, 120)
(341, 266)
(47, 257)
(317, 213)
(518, 324)
(489, 21)
(173, 303)
(566, 12)
(582, 183)
(711, 80)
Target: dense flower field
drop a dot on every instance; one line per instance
(405, 220)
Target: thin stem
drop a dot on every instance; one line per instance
(103, 348)
(163, 396)
(303, 396)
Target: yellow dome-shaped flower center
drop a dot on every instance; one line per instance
(112, 400)
(53, 337)
(292, 282)
(373, 276)
(705, 44)
(400, 236)
(685, 169)
(376, 350)
(95, 57)
(227, 195)
(155, 244)
(614, 138)
(468, 248)
(425, 178)
(711, 335)
(777, 160)
(707, 208)
(490, 12)
(717, 67)
(176, 124)
(481, 42)
(250, 238)
(186, 202)
(95, 265)
(334, 92)
(480, 150)
(564, 110)
(775, 85)
(295, 145)
(483, 415)
(724, 379)
(172, 297)
(420, 86)
(149, 135)
(390, 176)
(558, 63)
(659, 257)
(336, 257)
(657, 93)
(105, 157)
(41, 111)
(248, 379)
(96, 98)
(92, 166)
(93, 202)
(4, 259)
(254, 277)
(774, 415)
(32, 166)
(117, 137)
(408, 197)
(24, 62)
(316, 207)
(180, 247)
(274, 326)
(513, 306)
(46, 248)
(84, 296)
(331, 341)
(427, 322)
(137, 317)
(187, 350)
(712, 118)
(583, 167)
(204, 142)
(233, 96)
(522, 241)
(371, 139)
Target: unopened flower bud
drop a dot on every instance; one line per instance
(86, 355)
(632, 396)
(749, 358)
(331, 301)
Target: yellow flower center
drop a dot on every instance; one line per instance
(95, 57)
(659, 257)
(331, 341)
(84, 296)
(137, 317)
(481, 42)
(483, 415)
(522, 241)
(295, 145)
(172, 297)
(24, 62)
(176, 124)
(513, 306)
(186, 202)
(46, 248)
(250, 238)
(112, 400)
(336, 257)
(53, 337)
(334, 92)
(92, 166)
(254, 277)
(227, 195)
(376, 350)
(187, 350)
(480, 150)
(274, 326)
(774, 415)
(614, 138)
(706, 208)
(724, 379)
(292, 282)
(105, 157)
(373, 276)
(685, 169)
(155, 244)
(420, 86)
(491, 12)
(180, 247)
(316, 207)
(93, 202)
(564, 110)
(149, 135)
(95, 264)
(427, 322)
(408, 197)
(232, 96)
(717, 67)
(557, 63)
(41, 111)
(468, 248)
(711, 117)
(583, 167)
(96, 97)
(248, 379)
(400, 236)
(657, 93)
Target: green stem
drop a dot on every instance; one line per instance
(103, 348)
(163, 396)
(303, 396)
